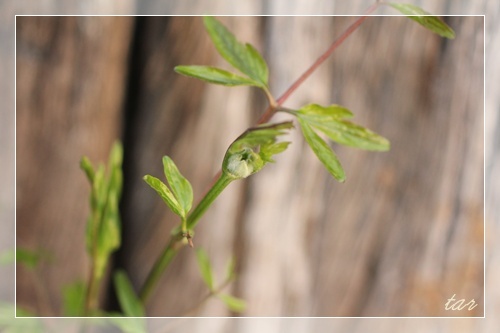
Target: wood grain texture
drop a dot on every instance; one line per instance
(402, 235)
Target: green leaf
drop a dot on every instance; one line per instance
(86, 166)
(243, 57)
(74, 299)
(116, 155)
(165, 194)
(233, 303)
(316, 111)
(261, 135)
(109, 237)
(349, 134)
(253, 149)
(205, 268)
(129, 302)
(116, 173)
(180, 186)
(215, 75)
(28, 258)
(322, 151)
(422, 17)
(268, 151)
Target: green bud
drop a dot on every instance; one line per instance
(241, 164)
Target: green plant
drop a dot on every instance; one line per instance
(250, 152)
(247, 155)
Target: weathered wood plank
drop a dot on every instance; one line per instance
(70, 86)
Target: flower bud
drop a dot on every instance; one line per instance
(240, 164)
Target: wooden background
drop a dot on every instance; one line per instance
(401, 236)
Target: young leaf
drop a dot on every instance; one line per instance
(165, 194)
(422, 17)
(349, 134)
(268, 151)
(205, 268)
(108, 238)
(243, 57)
(215, 75)
(86, 166)
(316, 111)
(261, 135)
(74, 299)
(253, 149)
(322, 151)
(180, 186)
(129, 302)
(233, 303)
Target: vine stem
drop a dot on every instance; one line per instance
(178, 240)
(271, 110)
(220, 184)
(173, 246)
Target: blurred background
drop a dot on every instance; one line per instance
(398, 238)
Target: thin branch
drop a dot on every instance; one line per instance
(176, 241)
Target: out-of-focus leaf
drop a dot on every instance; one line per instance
(180, 186)
(86, 166)
(323, 151)
(205, 268)
(233, 303)
(109, 238)
(215, 75)
(74, 299)
(425, 19)
(129, 302)
(243, 57)
(28, 258)
(165, 194)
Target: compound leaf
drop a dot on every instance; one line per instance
(243, 57)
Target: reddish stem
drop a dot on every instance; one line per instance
(336, 43)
